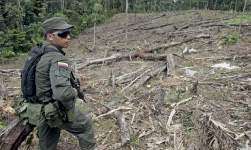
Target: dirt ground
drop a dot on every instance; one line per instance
(204, 104)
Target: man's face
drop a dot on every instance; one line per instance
(60, 38)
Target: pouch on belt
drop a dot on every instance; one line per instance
(36, 114)
(52, 116)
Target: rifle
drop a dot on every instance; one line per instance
(76, 84)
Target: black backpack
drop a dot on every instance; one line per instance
(28, 85)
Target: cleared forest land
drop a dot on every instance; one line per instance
(201, 100)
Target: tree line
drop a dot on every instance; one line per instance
(20, 20)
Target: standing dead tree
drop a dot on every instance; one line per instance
(126, 28)
(242, 19)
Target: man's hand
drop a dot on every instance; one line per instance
(76, 92)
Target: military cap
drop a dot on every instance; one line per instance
(55, 23)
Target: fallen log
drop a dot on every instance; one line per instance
(158, 26)
(225, 25)
(14, 134)
(234, 77)
(223, 58)
(119, 56)
(165, 46)
(210, 21)
(189, 31)
(125, 136)
(12, 71)
(147, 77)
(141, 53)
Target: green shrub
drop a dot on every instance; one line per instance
(8, 53)
(1, 125)
(229, 39)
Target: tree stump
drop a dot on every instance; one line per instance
(169, 64)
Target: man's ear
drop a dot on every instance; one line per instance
(49, 37)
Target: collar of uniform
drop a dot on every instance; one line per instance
(51, 45)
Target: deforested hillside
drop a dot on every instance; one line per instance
(183, 82)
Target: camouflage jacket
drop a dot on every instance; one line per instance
(53, 73)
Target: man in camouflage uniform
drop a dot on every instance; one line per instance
(53, 73)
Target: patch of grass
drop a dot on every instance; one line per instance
(152, 82)
(208, 92)
(104, 124)
(237, 20)
(135, 140)
(201, 120)
(231, 73)
(173, 97)
(211, 94)
(131, 49)
(219, 71)
(215, 76)
(1, 125)
(236, 116)
(225, 96)
(83, 107)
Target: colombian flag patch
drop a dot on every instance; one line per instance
(62, 64)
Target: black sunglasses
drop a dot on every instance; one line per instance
(63, 34)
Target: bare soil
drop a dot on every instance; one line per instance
(212, 118)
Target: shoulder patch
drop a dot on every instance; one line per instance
(63, 71)
(62, 64)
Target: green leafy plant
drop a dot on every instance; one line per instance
(131, 49)
(229, 39)
(201, 120)
(1, 125)
(7, 53)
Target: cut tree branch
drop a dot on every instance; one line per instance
(141, 53)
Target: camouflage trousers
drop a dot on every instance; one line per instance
(81, 127)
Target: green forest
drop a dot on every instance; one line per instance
(20, 20)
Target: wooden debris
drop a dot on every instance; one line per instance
(114, 110)
(144, 79)
(224, 25)
(129, 74)
(242, 134)
(136, 54)
(223, 58)
(125, 136)
(235, 76)
(168, 124)
(134, 80)
(169, 64)
(161, 97)
(165, 46)
(14, 134)
(214, 134)
(12, 71)
(195, 88)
